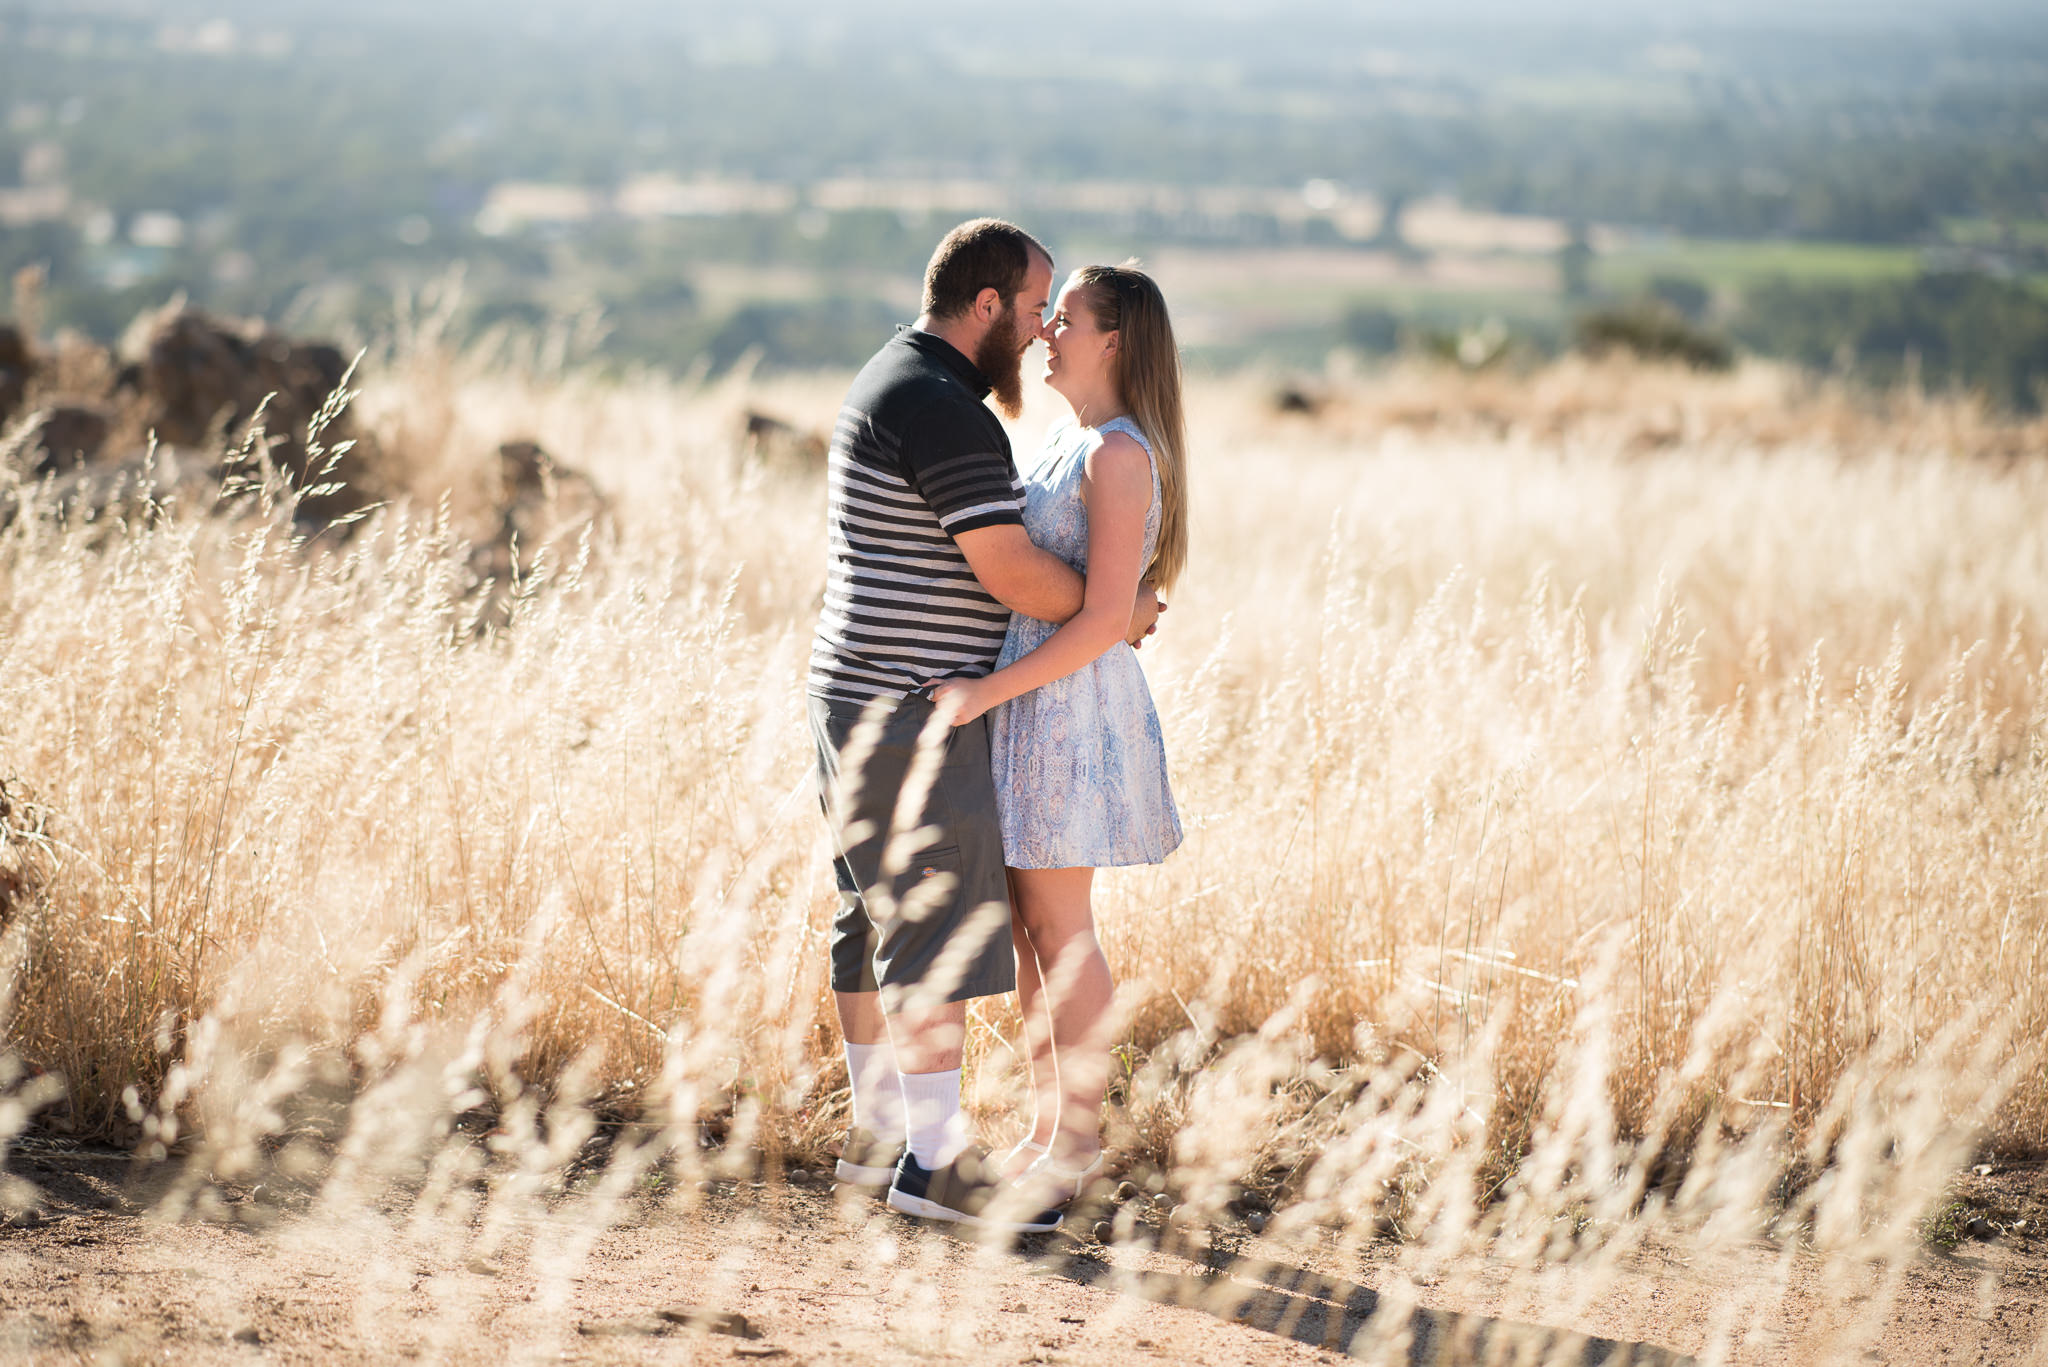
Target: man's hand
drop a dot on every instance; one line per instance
(1144, 616)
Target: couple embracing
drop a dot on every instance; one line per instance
(985, 737)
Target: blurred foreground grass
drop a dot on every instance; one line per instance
(1617, 803)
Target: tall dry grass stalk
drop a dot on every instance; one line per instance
(1585, 847)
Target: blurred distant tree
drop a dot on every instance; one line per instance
(53, 247)
(1372, 329)
(516, 315)
(1390, 236)
(1682, 293)
(1654, 330)
(653, 319)
(1955, 328)
(1888, 208)
(803, 334)
(1575, 264)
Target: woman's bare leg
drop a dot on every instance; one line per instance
(1036, 1010)
(1055, 919)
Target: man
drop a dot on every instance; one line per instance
(928, 557)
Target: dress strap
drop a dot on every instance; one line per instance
(1124, 423)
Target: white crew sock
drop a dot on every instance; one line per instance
(877, 1094)
(931, 1107)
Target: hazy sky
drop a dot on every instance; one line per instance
(1059, 22)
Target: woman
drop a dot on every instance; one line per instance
(1080, 769)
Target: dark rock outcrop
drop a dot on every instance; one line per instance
(17, 368)
(769, 439)
(203, 379)
(59, 439)
(25, 861)
(542, 506)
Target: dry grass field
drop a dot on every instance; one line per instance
(1618, 840)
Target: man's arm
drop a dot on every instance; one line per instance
(1019, 575)
(1038, 583)
(966, 481)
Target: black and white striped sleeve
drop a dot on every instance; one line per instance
(956, 458)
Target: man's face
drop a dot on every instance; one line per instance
(1001, 353)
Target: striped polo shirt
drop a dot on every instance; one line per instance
(916, 459)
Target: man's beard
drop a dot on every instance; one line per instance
(1001, 359)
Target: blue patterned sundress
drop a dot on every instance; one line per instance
(1080, 766)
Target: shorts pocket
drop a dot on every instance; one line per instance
(930, 884)
(933, 862)
(967, 746)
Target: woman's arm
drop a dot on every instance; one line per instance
(1116, 488)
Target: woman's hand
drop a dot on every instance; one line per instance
(1144, 616)
(960, 701)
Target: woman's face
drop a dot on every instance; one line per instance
(1078, 354)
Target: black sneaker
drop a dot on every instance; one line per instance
(866, 1160)
(969, 1191)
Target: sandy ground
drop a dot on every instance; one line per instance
(808, 1274)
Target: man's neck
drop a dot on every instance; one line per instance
(959, 333)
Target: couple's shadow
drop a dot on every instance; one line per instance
(1339, 1315)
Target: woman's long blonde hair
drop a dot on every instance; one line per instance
(1126, 301)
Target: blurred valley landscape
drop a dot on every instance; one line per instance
(1856, 188)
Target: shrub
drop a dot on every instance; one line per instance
(1654, 330)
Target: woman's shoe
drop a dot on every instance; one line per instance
(1055, 1184)
(1018, 1160)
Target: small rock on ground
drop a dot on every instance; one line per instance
(714, 1321)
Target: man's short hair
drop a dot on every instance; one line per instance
(986, 253)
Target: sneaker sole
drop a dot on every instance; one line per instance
(926, 1209)
(855, 1175)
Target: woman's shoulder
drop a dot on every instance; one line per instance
(1119, 454)
(1120, 441)
(1126, 427)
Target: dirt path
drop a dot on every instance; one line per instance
(822, 1277)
